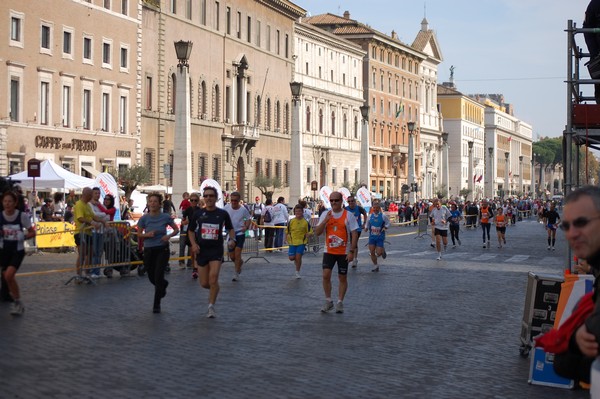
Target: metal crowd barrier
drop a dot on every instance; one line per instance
(116, 248)
(250, 248)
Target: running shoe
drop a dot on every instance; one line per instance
(195, 275)
(297, 276)
(211, 314)
(439, 257)
(384, 254)
(339, 307)
(549, 247)
(236, 277)
(458, 240)
(553, 248)
(354, 263)
(432, 245)
(453, 246)
(375, 269)
(17, 308)
(327, 307)
(484, 245)
(504, 239)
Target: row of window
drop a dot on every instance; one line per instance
(66, 117)
(396, 88)
(273, 169)
(47, 38)
(242, 27)
(331, 76)
(395, 110)
(398, 61)
(332, 131)
(334, 176)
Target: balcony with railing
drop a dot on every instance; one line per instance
(247, 132)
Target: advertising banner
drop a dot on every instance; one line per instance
(345, 194)
(108, 185)
(54, 234)
(363, 196)
(324, 194)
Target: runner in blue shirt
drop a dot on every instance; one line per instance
(376, 225)
(361, 217)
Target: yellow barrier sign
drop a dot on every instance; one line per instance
(54, 234)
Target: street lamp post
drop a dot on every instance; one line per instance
(521, 174)
(490, 180)
(445, 161)
(470, 174)
(365, 159)
(411, 162)
(296, 144)
(533, 189)
(506, 183)
(182, 158)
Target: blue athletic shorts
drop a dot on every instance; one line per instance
(294, 250)
(239, 242)
(377, 240)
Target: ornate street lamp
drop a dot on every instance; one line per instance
(365, 159)
(470, 174)
(183, 49)
(296, 145)
(182, 143)
(490, 184)
(411, 162)
(445, 162)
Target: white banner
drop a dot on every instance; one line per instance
(108, 185)
(345, 194)
(324, 193)
(213, 183)
(363, 196)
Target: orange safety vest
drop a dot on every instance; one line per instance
(336, 235)
(485, 216)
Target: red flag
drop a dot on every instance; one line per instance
(509, 139)
(474, 177)
(480, 177)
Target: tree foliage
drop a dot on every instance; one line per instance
(267, 185)
(548, 151)
(128, 179)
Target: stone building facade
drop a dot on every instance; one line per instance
(70, 87)
(240, 68)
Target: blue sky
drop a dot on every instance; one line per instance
(513, 47)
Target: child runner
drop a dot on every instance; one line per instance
(12, 248)
(298, 230)
(500, 221)
(153, 229)
(377, 224)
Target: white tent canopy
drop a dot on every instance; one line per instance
(52, 176)
(155, 188)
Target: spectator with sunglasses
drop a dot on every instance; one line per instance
(581, 223)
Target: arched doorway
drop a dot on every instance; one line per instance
(240, 185)
(323, 174)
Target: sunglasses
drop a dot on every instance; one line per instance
(335, 200)
(209, 196)
(194, 200)
(578, 223)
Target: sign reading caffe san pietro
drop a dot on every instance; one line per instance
(57, 143)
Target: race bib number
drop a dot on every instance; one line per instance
(335, 241)
(12, 232)
(209, 231)
(375, 230)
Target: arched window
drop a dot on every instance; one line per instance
(308, 119)
(333, 123)
(202, 99)
(217, 103)
(268, 116)
(258, 111)
(286, 117)
(173, 93)
(320, 120)
(277, 115)
(355, 127)
(345, 125)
